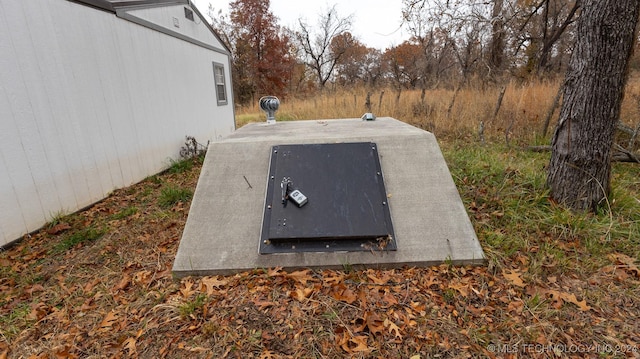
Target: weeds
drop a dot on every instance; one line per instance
(171, 195)
(181, 166)
(193, 149)
(15, 321)
(56, 219)
(504, 191)
(85, 235)
(189, 308)
(191, 153)
(125, 212)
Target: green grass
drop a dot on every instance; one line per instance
(125, 212)
(187, 309)
(171, 195)
(56, 218)
(185, 164)
(181, 166)
(88, 234)
(14, 322)
(155, 179)
(505, 193)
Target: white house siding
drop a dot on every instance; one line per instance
(90, 102)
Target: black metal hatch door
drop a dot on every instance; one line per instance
(335, 200)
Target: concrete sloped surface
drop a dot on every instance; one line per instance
(222, 232)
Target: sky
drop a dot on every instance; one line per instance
(376, 23)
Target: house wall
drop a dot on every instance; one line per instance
(91, 102)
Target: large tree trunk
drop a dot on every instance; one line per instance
(497, 37)
(580, 164)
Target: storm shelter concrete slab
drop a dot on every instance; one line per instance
(223, 229)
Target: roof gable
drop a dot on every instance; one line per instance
(113, 5)
(119, 7)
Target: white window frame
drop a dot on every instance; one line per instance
(220, 84)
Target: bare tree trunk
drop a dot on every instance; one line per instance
(453, 100)
(580, 166)
(632, 140)
(497, 37)
(380, 101)
(503, 89)
(367, 101)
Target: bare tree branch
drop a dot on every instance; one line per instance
(317, 45)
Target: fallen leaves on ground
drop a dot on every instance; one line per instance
(625, 263)
(515, 277)
(115, 297)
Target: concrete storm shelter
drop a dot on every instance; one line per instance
(362, 193)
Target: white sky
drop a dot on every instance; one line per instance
(375, 22)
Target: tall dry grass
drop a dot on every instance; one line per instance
(520, 118)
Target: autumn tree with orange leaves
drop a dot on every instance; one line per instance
(261, 50)
(404, 65)
(359, 64)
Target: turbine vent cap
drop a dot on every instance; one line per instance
(270, 104)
